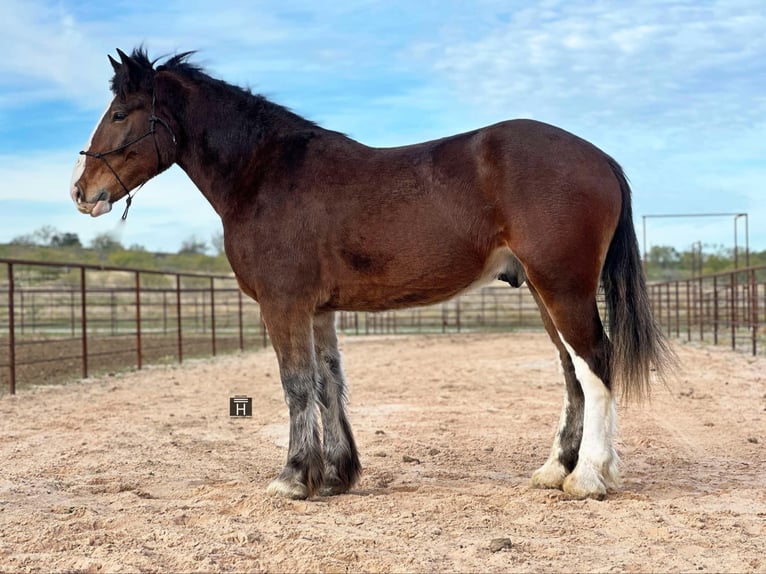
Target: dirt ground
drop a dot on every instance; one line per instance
(146, 471)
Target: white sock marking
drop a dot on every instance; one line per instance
(598, 420)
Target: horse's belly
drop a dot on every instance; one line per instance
(403, 285)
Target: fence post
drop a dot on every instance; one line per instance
(754, 310)
(702, 311)
(732, 283)
(716, 316)
(71, 313)
(670, 308)
(83, 325)
(688, 311)
(11, 331)
(164, 311)
(657, 289)
(178, 315)
(241, 331)
(138, 320)
(212, 312)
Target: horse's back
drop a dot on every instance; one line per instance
(519, 164)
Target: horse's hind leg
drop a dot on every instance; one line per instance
(342, 466)
(597, 466)
(575, 317)
(566, 444)
(292, 336)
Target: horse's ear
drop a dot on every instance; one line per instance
(115, 65)
(132, 70)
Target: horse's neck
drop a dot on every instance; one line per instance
(220, 149)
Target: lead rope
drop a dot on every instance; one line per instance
(128, 201)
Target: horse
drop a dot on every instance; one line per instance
(315, 222)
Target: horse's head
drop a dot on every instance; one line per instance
(130, 145)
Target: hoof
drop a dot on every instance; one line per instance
(336, 483)
(333, 487)
(333, 490)
(550, 475)
(584, 482)
(287, 489)
(340, 473)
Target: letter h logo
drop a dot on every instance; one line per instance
(240, 406)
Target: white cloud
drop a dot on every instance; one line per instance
(47, 55)
(657, 61)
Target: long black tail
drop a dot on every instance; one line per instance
(638, 344)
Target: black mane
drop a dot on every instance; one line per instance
(139, 74)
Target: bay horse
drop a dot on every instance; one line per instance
(315, 222)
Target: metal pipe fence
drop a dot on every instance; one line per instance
(64, 321)
(60, 322)
(724, 308)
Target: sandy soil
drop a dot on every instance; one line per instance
(146, 471)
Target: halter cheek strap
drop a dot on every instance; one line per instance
(153, 121)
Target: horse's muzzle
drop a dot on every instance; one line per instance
(99, 206)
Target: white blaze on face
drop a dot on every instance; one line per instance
(79, 166)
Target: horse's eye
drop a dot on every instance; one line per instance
(119, 116)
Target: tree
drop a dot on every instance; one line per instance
(41, 236)
(48, 236)
(27, 240)
(216, 241)
(193, 246)
(65, 240)
(45, 235)
(663, 256)
(105, 242)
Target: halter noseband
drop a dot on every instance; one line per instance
(153, 120)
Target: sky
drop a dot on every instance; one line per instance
(675, 91)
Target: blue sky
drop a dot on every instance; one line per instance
(675, 91)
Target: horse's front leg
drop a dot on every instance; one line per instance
(292, 337)
(342, 467)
